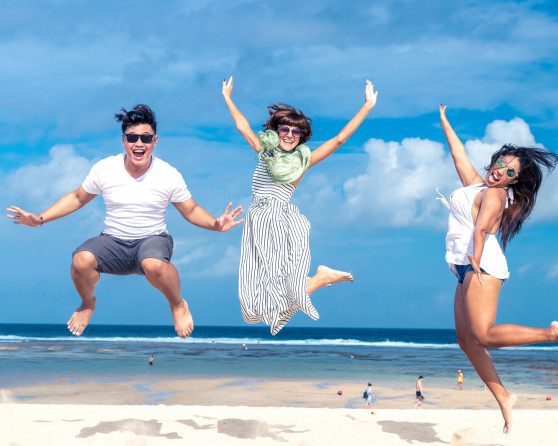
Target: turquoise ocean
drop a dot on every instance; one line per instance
(393, 358)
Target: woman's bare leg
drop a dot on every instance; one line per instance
(326, 276)
(478, 355)
(481, 302)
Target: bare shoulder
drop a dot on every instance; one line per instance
(493, 198)
(494, 193)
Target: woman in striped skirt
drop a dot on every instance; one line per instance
(275, 257)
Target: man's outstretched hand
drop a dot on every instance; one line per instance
(22, 217)
(227, 220)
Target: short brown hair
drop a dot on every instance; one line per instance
(284, 114)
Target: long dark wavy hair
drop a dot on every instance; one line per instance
(284, 114)
(532, 160)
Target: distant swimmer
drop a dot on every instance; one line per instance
(485, 210)
(151, 360)
(137, 188)
(460, 380)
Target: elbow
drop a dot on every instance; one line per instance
(340, 140)
(480, 232)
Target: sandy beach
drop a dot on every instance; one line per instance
(262, 412)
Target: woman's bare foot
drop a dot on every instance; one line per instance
(328, 276)
(182, 318)
(81, 317)
(506, 408)
(554, 329)
(325, 277)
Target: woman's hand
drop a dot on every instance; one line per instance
(227, 88)
(227, 220)
(443, 118)
(22, 217)
(476, 267)
(369, 95)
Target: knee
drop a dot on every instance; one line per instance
(153, 267)
(480, 338)
(465, 341)
(83, 262)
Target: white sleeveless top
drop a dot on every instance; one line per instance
(459, 240)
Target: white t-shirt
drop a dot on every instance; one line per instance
(135, 207)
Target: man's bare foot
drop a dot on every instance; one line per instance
(554, 329)
(327, 276)
(81, 317)
(506, 408)
(182, 318)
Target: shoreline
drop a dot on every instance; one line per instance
(232, 411)
(258, 393)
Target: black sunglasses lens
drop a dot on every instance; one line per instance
(133, 138)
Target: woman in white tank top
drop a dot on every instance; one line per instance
(497, 204)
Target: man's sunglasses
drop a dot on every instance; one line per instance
(510, 171)
(283, 130)
(132, 138)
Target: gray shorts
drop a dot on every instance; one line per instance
(123, 257)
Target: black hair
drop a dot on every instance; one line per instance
(421, 377)
(284, 114)
(529, 180)
(140, 114)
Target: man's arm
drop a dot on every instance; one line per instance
(66, 205)
(198, 216)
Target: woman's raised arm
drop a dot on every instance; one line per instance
(242, 124)
(467, 173)
(327, 148)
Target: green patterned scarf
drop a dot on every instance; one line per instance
(283, 167)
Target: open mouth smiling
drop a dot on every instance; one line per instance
(138, 153)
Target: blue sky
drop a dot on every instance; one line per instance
(69, 66)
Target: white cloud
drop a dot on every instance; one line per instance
(41, 185)
(206, 260)
(399, 185)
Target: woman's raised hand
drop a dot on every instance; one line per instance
(442, 115)
(369, 94)
(227, 88)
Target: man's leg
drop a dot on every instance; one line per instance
(85, 277)
(165, 278)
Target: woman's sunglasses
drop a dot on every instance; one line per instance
(132, 138)
(510, 172)
(283, 130)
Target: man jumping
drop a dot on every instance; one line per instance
(137, 188)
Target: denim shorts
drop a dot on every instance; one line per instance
(461, 270)
(124, 257)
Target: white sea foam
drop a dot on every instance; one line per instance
(251, 341)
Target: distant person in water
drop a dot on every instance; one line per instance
(497, 204)
(137, 188)
(151, 360)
